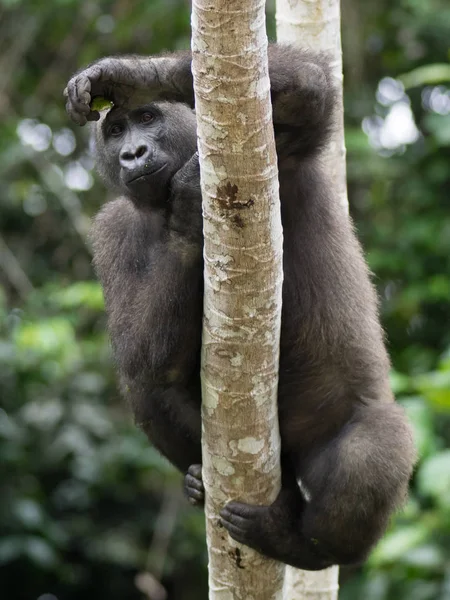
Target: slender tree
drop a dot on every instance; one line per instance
(315, 24)
(243, 283)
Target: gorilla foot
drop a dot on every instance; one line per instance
(244, 522)
(271, 532)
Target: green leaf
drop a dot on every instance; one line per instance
(435, 386)
(99, 103)
(29, 512)
(426, 75)
(46, 337)
(439, 126)
(399, 382)
(81, 294)
(395, 543)
(40, 552)
(425, 557)
(433, 478)
(421, 418)
(10, 549)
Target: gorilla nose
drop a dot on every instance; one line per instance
(131, 157)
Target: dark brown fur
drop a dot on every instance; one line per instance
(343, 437)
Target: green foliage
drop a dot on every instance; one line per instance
(439, 127)
(415, 545)
(86, 503)
(73, 464)
(426, 75)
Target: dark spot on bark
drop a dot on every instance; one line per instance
(237, 220)
(238, 558)
(227, 197)
(235, 555)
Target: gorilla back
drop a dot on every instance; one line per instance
(347, 452)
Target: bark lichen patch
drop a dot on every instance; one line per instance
(251, 445)
(223, 466)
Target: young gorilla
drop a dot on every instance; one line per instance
(347, 452)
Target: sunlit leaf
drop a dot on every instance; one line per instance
(433, 477)
(100, 103)
(426, 75)
(421, 419)
(46, 337)
(439, 125)
(395, 543)
(425, 557)
(399, 382)
(435, 386)
(80, 294)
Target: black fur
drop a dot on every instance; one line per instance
(343, 437)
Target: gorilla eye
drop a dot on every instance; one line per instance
(147, 117)
(116, 130)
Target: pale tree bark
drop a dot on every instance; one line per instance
(311, 585)
(315, 24)
(243, 284)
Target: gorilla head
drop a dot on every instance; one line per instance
(139, 150)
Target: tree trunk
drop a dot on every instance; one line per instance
(311, 585)
(315, 24)
(243, 284)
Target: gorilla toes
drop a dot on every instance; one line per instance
(272, 532)
(193, 485)
(245, 523)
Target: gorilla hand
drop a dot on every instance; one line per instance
(110, 78)
(127, 81)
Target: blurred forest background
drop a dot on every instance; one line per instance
(87, 508)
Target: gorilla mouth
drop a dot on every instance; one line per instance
(146, 174)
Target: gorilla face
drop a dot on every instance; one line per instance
(139, 150)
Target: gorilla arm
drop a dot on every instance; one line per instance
(300, 84)
(129, 79)
(150, 267)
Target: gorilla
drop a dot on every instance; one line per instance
(347, 450)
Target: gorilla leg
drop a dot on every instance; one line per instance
(351, 486)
